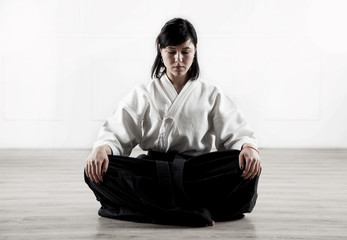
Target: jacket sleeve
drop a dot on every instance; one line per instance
(229, 125)
(122, 131)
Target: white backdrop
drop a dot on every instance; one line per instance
(64, 65)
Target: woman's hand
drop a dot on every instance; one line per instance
(97, 163)
(249, 160)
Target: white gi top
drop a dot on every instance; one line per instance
(157, 118)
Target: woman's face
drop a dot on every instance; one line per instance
(178, 59)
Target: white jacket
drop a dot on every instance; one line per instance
(157, 118)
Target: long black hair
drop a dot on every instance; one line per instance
(175, 32)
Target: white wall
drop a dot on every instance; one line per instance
(64, 64)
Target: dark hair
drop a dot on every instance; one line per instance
(175, 32)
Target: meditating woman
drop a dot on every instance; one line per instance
(174, 118)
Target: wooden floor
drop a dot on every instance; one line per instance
(302, 195)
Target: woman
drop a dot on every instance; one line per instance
(174, 117)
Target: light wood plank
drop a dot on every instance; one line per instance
(302, 195)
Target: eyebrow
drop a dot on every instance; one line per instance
(175, 48)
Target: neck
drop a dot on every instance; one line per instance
(178, 82)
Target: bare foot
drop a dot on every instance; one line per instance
(212, 223)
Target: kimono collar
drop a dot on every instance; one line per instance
(170, 89)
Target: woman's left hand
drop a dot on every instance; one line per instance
(249, 160)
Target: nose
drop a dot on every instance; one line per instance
(178, 57)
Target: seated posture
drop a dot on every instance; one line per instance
(175, 118)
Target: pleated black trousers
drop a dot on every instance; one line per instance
(170, 188)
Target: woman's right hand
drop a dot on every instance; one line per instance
(97, 163)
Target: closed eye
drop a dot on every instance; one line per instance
(182, 52)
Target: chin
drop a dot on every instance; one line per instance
(179, 73)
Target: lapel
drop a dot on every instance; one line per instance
(176, 99)
(168, 88)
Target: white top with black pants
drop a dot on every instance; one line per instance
(180, 181)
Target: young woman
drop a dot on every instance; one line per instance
(174, 117)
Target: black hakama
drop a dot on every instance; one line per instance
(171, 188)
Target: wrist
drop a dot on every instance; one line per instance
(250, 146)
(106, 148)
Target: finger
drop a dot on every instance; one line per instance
(256, 169)
(86, 170)
(241, 161)
(105, 166)
(98, 170)
(247, 167)
(89, 171)
(251, 169)
(93, 170)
